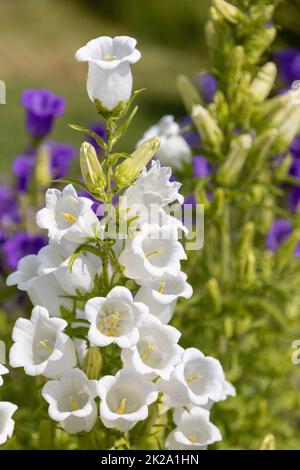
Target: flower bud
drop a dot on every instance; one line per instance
(92, 363)
(228, 11)
(290, 127)
(268, 442)
(207, 126)
(282, 170)
(214, 294)
(239, 150)
(130, 169)
(90, 167)
(259, 43)
(188, 92)
(286, 251)
(261, 148)
(263, 82)
(42, 168)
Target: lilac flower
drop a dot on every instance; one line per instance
(42, 107)
(99, 129)
(22, 168)
(201, 167)
(288, 61)
(61, 156)
(279, 232)
(208, 86)
(294, 198)
(191, 136)
(21, 244)
(9, 212)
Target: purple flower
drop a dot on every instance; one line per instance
(61, 156)
(295, 147)
(21, 244)
(208, 86)
(22, 168)
(9, 212)
(191, 136)
(288, 61)
(42, 107)
(279, 232)
(294, 198)
(201, 167)
(99, 129)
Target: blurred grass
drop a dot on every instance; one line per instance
(38, 41)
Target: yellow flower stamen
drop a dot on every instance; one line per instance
(192, 438)
(44, 344)
(161, 287)
(150, 348)
(193, 378)
(121, 408)
(109, 325)
(74, 404)
(69, 217)
(155, 252)
(109, 57)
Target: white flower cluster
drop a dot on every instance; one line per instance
(153, 362)
(7, 410)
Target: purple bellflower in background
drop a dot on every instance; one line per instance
(42, 106)
(279, 232)
(21, 244)
(288, 61)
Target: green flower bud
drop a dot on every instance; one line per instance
(239, 150)
(90, 167)
(236, 64)
(42, 168)
(214, 294)
(282, 170)
(290, 127)
(188, 92)
(259, 43)
(263, 82)
(92, 363)
(268, 442)
(207, 126)
(228, 11)
(261, 149)
(130, 169)
(285, 253)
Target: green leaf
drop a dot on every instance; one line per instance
(72, 181)
(84, 247)
(92, 134)
(124, 126)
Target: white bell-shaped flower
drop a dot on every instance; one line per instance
(156, 352)
(153, 252)
(109, 75)
(193, 431)
(71, 401)
(115, 318)
(154, 187)
(41, 346)
(3, 371)
(7, 424)
(54, 258)
(161, 294)
(68, 216)
(195, 380)
(43, 290)
(125, 398)
(174, 150)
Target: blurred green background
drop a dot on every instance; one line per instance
(38, 39)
